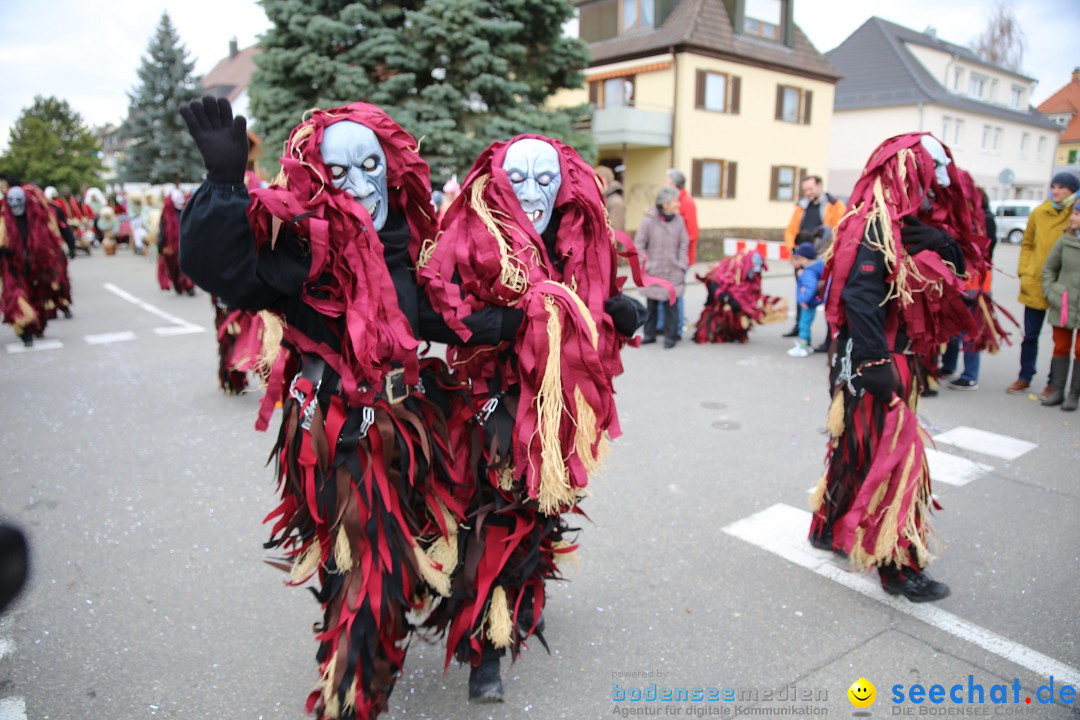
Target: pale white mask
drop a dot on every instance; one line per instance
(16, 200)
(178, 199)
(941, 160)
(357, 165)
(533, 168)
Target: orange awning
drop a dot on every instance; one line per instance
(640, 69)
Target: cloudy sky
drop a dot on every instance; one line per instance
(87, 52)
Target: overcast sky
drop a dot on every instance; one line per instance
(87, 52)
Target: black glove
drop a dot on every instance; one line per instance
(510, 322)
(627, 314)
(879, 381)
(221, 138)
(918, 237)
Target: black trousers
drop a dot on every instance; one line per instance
(671, 320)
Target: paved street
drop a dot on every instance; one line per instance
(142, 488)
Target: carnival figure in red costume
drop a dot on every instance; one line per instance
(240, 345)
(371, 503)
(898, 274)
(529, 232)
(33, 263)
(168, 268)
(735, 303)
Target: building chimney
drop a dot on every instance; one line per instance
(233, 50)
(1076, 74)
(930, 32)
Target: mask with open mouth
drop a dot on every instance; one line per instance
(16, 200)
(941, 159)
(357, 165)
(533, 169)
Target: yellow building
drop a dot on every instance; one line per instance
(728, 91)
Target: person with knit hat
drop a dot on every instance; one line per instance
(805, 259)
(1061, 283)
(1045, 225)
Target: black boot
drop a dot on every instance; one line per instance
(485, 684)
(822, 539)
(67, 311)
(915, 585)
(1073, 401)
(1059, 369)
(28, 339)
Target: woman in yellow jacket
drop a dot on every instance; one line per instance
(1045, 225)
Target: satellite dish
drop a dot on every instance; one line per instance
(1006, 177)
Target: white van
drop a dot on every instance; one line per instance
(1011, 217)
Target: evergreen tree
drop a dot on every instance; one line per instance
(161, 150)
(50, 145)
(457, 74)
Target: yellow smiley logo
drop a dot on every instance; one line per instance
(862, 693)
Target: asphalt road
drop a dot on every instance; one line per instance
(142, 488)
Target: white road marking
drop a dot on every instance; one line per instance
(106, 338)
(953, 469)
(170, 330)
(16, 348)
(176, 321)
(12, 708)
(782, 530)
(987, 443)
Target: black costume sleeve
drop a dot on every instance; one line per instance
(488, 325)
(217, 251)
(863, 296)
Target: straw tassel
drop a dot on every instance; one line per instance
(331, 706)
(555, 492)
(817, 498)
(500, 627)
(835, 421)
(343, 558)
(308, 561)
(273, 331)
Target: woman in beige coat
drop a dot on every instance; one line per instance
(663, 239)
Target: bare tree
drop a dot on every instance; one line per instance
(1003, 41)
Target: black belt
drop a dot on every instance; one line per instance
(394, 388)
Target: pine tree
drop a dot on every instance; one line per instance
(50, 145)
(161, 150)
(457, 74)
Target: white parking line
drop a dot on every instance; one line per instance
(12, 708)
(953, 469)
(176, 321)
(39, 345)
(782, 530)
(987, 443)
(106, 338)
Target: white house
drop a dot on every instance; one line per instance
(897, 80)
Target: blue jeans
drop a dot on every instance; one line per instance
(952, 353)
(806, 321)
(1029, 348)
(679, 308)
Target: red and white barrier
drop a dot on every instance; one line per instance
(768, 249)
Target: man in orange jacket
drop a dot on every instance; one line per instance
(816, 210)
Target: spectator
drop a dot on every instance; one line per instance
(688, 211)
(816, 211)
(1061, 283)
(969, 379)
(1045, 225)
(613, 197)
(805, 259)
(663, 239)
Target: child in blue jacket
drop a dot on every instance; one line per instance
(804, 258)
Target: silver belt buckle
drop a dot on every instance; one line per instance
(388, 386)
